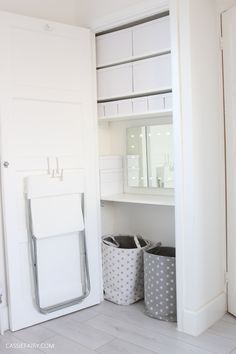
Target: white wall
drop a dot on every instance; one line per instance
(200, 184)
(113, 135)
(154, 223)
(225, 4)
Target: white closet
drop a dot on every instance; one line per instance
(134, 95)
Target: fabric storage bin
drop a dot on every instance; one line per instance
(123, 277)
(160, 283)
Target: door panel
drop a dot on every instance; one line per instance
(47, 127)
(229, 53)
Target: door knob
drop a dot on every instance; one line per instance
(6, 164)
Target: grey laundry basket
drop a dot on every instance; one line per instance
(160, 283)
(123, 278)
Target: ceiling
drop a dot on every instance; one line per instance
(75, 12)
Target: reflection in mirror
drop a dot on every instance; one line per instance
(136, 157)
(160, 156)
(150, 160)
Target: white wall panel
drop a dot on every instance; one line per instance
(199, 155)
(156, 223)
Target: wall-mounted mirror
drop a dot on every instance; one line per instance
(150, 158)
(137, 157)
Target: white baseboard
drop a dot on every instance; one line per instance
(196, 322)
(4, 322)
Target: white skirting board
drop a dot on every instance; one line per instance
(196, 322)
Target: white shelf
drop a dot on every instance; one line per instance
(146, 93)
(134, 58)
(133, 116)
(164, 200)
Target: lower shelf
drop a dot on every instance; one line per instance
(164, 200)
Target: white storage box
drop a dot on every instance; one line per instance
(111, 175)
(140, 105)
(115, 81)
(152, 37)
(111, 109)
(101, 110)
(168, 101)
(111, 182)
(152, 74)
(125, 107)
(114, 47)
(156, 103)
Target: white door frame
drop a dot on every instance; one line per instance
(229, 173)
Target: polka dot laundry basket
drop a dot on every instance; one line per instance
(123, 275)
(160, 283)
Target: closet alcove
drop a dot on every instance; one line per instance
(134, 84)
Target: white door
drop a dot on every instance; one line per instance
(47, 122)
(229, 54)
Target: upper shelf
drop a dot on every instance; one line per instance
(133, 116)
(147, 76)
(131, 42)
(162, 200)
(134, 59)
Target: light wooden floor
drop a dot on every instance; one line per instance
(113, 329)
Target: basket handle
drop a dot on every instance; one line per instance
(113, 244)
(148, 243)
(158, 244)
(137, 243)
